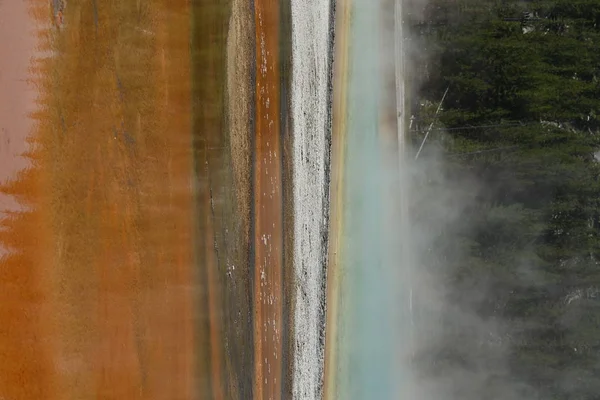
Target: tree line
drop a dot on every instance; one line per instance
(525, 250)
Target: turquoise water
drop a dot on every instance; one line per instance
(369, 288)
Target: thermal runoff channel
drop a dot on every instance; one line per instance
(371, 246)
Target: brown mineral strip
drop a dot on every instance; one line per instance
(240, 97)
(214, 184)
(289, 286)
(267, 206)
(215, 329)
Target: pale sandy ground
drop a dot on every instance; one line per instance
(310, 125)
(17, 45)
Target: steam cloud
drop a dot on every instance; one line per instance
(442, 348)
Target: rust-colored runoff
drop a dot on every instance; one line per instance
(97, 295)
(268, 260)
(26, 367)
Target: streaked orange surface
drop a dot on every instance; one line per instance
(26, 366)
(27, 369)
(97, 300)
(267, 206)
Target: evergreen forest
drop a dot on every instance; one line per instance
(516, 146)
